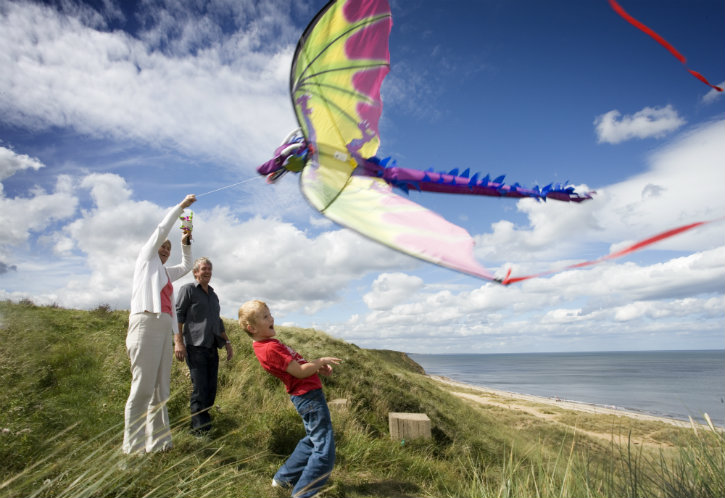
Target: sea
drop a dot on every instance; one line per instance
(673, 384)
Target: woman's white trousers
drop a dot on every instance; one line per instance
(149, 345)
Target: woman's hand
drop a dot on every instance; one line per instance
(188, 201)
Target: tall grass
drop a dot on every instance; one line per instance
(66, 378)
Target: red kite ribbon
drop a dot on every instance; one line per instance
(634, 247)
(634, 22)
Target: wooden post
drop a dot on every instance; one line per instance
(409, 425)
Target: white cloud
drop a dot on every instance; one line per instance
(655, 310)
(266, 258)
(713, 94)
(258, 257)
(390, 289)
(275, 261)
(685, 183)
(27, 215)
(613, 128)
(562, 316)
(647, 300)
(58, 71)
(11, 163)
(107, 190)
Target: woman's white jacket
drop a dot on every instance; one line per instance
(150, 275)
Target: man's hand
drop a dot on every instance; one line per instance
(230, 351)
(179, 348)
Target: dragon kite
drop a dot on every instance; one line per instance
(337, 71)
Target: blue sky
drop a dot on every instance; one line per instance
(111, 113)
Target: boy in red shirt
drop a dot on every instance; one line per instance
(310, 464)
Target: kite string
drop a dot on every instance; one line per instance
(228, 186)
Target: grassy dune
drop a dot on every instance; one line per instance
(65, 379)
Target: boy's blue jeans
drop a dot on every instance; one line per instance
(310, 464)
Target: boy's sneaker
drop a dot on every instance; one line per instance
(283, 485)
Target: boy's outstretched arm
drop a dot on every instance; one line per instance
(320, 365)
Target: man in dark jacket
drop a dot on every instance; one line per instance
(197, 310)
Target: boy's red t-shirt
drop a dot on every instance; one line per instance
(275, 357)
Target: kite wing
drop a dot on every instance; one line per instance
(338, 69)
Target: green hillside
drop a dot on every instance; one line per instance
(65, 378)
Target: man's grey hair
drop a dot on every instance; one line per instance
(201, 261)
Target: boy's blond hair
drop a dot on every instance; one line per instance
(248, 314)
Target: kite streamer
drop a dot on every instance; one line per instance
(634, 22)
(617, 254)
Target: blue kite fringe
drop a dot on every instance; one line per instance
(539, 193)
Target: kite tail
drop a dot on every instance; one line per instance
(507, 280)
(453, 182)
(634, 22)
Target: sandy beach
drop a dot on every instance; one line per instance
(532, 404)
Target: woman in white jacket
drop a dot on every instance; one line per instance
(152, 324)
